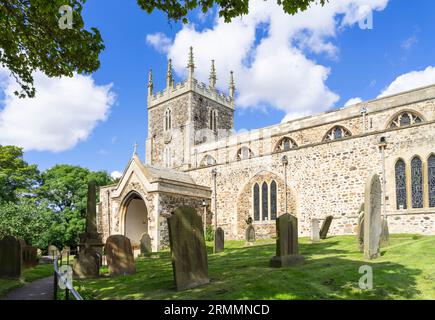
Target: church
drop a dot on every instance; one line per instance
(313, 167)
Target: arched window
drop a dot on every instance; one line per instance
(213, 120)
(431, 180)
(400, 184)
(244, 153)
(208, 160)
(273, 200)
(338, 132)
(256, 202)
(417, 182)
(264, 201)
(286, 144)
(404, 119)
(168, 119)
(167, 157)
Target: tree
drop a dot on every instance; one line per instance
(228, 9)
(27, 220)
(17, 177)
(31, 39)
(65, 188)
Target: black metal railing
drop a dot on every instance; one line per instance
(63, 278)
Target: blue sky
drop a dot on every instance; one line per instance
(362, 63)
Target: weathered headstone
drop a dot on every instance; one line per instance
(385, 234)
(53, 251)
(250, 231)
(315, 230)
(325, 227)
(30, 256)
(10, 257)
(287, 245)
(188, 249)
(87, 263)
(372, 218)
(219, 238)
(119, 255)
(145, 243)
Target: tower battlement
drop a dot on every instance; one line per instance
(190, 85)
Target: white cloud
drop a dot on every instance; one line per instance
(353, 101)
(410, 81)
(275, 69)
(63, 113)
(116, 174)
(159, 41)
(409, 42)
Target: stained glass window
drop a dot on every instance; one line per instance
(273, 198)
(417, 183)
(400, 185)
(256, 202)
(431, 180)
(264, 201)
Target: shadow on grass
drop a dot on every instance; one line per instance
(330, 272)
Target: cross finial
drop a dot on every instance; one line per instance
(169, 76)
(191, 64)
(212, 77)
(135, 148)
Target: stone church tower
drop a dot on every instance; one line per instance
(185, 115)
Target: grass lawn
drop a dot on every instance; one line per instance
(406, 270)
(28, 275)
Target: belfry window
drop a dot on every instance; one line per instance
(338, 132)
(404, 119)
(400, 175)
(213, 120)
(168, 120)
(417, 182)
(431, 180)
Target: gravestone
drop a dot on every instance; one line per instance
(145, 243)
(87, 263)
(119, 255)
(10, 258)
(372, 218)
(188, 249)
(30, 256)
(325, 227)
(385, 234)
(287, 245)
(315, 230)
(53, 251)
(250, 231)
(219, 237)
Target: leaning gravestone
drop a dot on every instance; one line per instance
(325, 227)
(372, 218)
(315, 230)
(287, 246)
(87, 263)
(188, 249)
(219, 237)
(145, 243)
(119, 255)
(10, 258)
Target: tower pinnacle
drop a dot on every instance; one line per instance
(150, 83)
(169, 76)
(232, 86)
(212, 77)
(191, 64)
